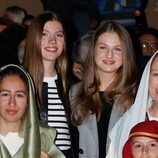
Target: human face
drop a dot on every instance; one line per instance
(13, 99)
(52, 41)
(108, 53)
(149, 44)
(153, 80)
(144, 147)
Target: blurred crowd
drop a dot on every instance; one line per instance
(93, 68)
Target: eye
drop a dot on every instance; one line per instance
(4, 94)
(60, 35)
(154, 73)
(153, 145)
(117, 50)
(154, 46)
(137, 146)
(20, 95)
(102, 48)
(45, 35)
(144, 45)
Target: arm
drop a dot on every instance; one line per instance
(49, 149)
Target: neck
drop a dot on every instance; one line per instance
(6, 127)
(106, 79)
(153, 110)
(49, 69)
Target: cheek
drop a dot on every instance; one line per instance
(3, 102)
(119, 62)
(2, 108)
(42, 44)
(24, 106)
(153, 84)
(153, 154)
(119, 58)
(62, 44)
(98, 58)
(136, 154)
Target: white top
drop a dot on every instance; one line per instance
(151, 117)
(12, 142)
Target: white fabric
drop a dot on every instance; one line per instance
(50, 80)
(13, 142)
(151, 117)
(137, 113)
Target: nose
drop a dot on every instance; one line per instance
(145, 150)
(12, 101)
(52, 39)
(109, 54)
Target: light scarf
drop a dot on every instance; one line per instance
(137, 113)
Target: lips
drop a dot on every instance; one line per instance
(11, 111)
(51, 49)
(108, 62)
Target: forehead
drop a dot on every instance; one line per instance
(12, 79)
(155, 63)
(148, 37)
(53, 25)
(109, 37)
(142, 139)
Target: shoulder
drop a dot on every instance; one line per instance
(75, 88)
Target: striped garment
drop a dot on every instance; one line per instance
(56, 115)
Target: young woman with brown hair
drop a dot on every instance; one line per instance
(107, 90)
(46, 60)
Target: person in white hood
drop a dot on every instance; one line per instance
(144, 108)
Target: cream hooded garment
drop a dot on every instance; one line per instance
(137, 113)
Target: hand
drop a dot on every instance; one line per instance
(44, 154)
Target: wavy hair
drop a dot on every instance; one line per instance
(123, 88)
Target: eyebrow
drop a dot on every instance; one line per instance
(154, 70)
(56, 31)
(108, 45)
(18, 91)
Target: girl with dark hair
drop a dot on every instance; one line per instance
(21, 135)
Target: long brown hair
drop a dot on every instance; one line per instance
(33, 56)
(123, 88)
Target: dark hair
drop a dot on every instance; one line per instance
(148, 30)
(29, 17)
(5, 21)
(13, 71)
